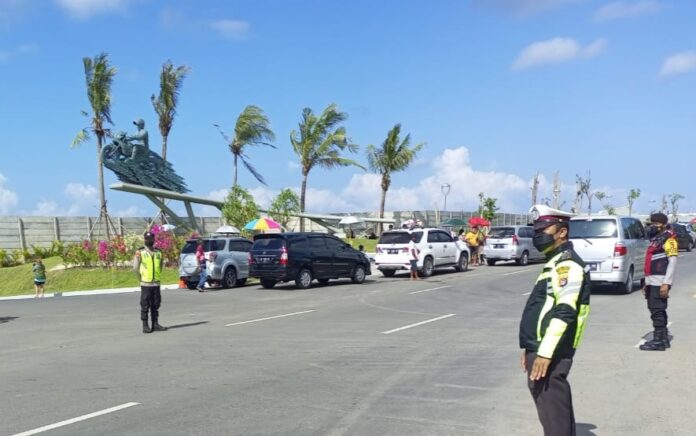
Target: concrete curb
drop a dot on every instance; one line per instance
(81, 293)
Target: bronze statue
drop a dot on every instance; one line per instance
(131, 159)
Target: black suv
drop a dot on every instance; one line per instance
(683, 237)
(303, 257)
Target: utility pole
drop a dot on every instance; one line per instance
(557, 191)
(535, 188)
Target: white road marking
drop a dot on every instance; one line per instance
(388, 332)
(74, 420)
(270, 317)
(476, 388)
(642, 341)
(527, 293)
(428, 290)
(521, 271)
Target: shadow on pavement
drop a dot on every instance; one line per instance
(583, 429)
(5, 319)
(190, 324)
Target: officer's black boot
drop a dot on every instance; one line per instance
(664, 336)
(656, 344)
(146, 327)
(156, 327)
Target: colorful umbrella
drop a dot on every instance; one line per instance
(262, 224)
(479, 221)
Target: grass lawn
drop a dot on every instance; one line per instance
(19, 280)
(370, 244)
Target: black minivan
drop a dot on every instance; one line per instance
(303, 257)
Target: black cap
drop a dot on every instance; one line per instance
(659, 217)
(148, 234)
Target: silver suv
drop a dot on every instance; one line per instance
(227, 261)
(436, 247)
(511, 243)
(612, 246)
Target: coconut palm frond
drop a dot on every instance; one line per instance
(254, 172)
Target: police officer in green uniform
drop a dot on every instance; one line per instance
(553, 321)
(148, 266)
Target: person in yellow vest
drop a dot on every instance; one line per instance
(148, 266)
(472, 240)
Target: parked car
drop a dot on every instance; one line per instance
(683, 237)
(437, 250)
(511, 243)
(612, 246)
(227, 261)
(303, 257)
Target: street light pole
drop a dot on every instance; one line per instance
(445, 188)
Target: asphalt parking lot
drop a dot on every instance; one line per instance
(389, 357)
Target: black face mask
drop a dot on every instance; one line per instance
(149, 242)
(543, 241)
(653, 231)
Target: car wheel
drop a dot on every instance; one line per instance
(427, 267)
(191, 285)
(688, 247)
(241, 282)
(524, 259)
(358, 275)
(229, 279)
(267, 283)
(388, 272)
(463, 263)
(323, 281)
(304, 279)
(627, 286)
(491, 262)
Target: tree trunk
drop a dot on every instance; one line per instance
(382, 202)
(234, 181)
(103, 213)
(164, 147)
(302, 199)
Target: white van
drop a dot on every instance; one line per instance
(612, 246)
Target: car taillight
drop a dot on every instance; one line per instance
(284, 256)
(405, 249)
(251, 259)
(515, 240)
(620, 249)
(212, 256)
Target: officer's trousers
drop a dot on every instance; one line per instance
(150, 299)
(657, 307)
(552, 397)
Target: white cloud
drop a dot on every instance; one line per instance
(85, 9)
(8, 198)
(232, 29)
(293, 166)
(556, 51)
(83, 194)
(622, 9)
(51, 208)
(680, 63)
(23, 49)
(131, 211)
(522, 7)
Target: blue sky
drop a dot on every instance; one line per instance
(499, 89)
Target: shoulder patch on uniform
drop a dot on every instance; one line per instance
(562, 269)
(566, 255)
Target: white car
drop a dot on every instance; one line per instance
(437, 249)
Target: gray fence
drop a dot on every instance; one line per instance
(24, 232)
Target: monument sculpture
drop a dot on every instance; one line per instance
(130, 158)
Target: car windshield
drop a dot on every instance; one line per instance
(208, 245)
(501, 232)
(269, 244)
(595, 228)
(399, 237)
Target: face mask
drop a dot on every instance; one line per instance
(653, 231)
(149, 242)
(543, 241)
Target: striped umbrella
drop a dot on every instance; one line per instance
(262, 224)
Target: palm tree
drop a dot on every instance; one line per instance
(393, 156)
(99, 76)
(252, 128)
(320, 142)
(171, 80)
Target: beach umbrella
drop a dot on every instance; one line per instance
(348, 221)
(227, 229)
(262, 224)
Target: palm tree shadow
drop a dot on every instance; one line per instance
(5, 319)
(190, 324)
(584, 429)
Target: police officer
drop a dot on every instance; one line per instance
(553, 321)
(148, 266)
(660, 262)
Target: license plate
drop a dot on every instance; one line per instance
(593, 266)
(498, 245)
(263, 259)
(392, 251)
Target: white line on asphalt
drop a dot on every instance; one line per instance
(527, 293)
(520, 272)
(270, 317)
(476, 388)
(417, 324)
(74, 420)
(428, 290)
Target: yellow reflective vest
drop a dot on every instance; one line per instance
(150, 265)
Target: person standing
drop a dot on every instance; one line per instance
(553, 322)
(200, 256)
(471, 238)
(147, 264)
(39, 271)
(660, 263)
(413, 252)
